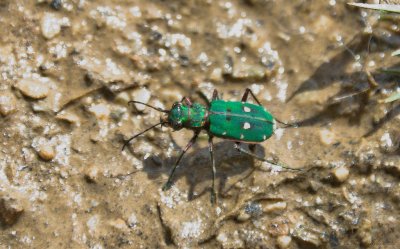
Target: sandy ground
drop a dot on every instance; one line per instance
(69, 67)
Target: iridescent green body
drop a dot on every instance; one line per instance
(184, 116)
(240, 121)
(235, 120)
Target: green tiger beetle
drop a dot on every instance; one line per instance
(239, 121)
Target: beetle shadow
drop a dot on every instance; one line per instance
(334, 70)
(324, 76)
(356, 106)
(196, 168)
(332, 111)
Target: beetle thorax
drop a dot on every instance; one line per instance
(191, 117)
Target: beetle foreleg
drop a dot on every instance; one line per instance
(168, 184)
(211, 149)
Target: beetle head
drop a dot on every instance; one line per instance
(176, 116)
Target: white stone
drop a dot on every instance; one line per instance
(273, 207)
(34, 88)
(101, 111)
(7, 103)
(284, 241)
(341, 173)
(50, 25)
(46, 151)
(142, 95)
(327, 137)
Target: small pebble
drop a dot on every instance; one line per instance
(132, 220)
(222, 238)
(33, 88)
(249, 72)
(307, 236)
(68, 117)
(122, 98)
(91, 173)
(243, 216)
(341, 173)
(326, 137)
(119, 224)
(46, 151)
(278, 206)
(284, 241)
(7, 103)
(279, 227)
(142, 95)
(216, 75)
(101, 111)
(50, 25)
(388, 144)
(10, 209)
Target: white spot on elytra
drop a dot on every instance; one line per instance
(246, 125)
(224, 133)
(241, 136)
(264, 137)
(246, 109)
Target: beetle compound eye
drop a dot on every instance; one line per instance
(177, 125)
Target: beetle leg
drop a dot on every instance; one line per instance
(168, 184)
(187, 101)
(204, 97)
(252, 147)
(215, 95)
(246, 96)
(240, 149)
(211, 149)
(237, 146)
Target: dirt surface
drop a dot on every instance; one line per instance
(69, 67)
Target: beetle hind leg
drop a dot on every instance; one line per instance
(246, 96)
(252, 147)
(255, 156)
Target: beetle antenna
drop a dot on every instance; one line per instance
(135, 136)
(155, 108)
(286, 125)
